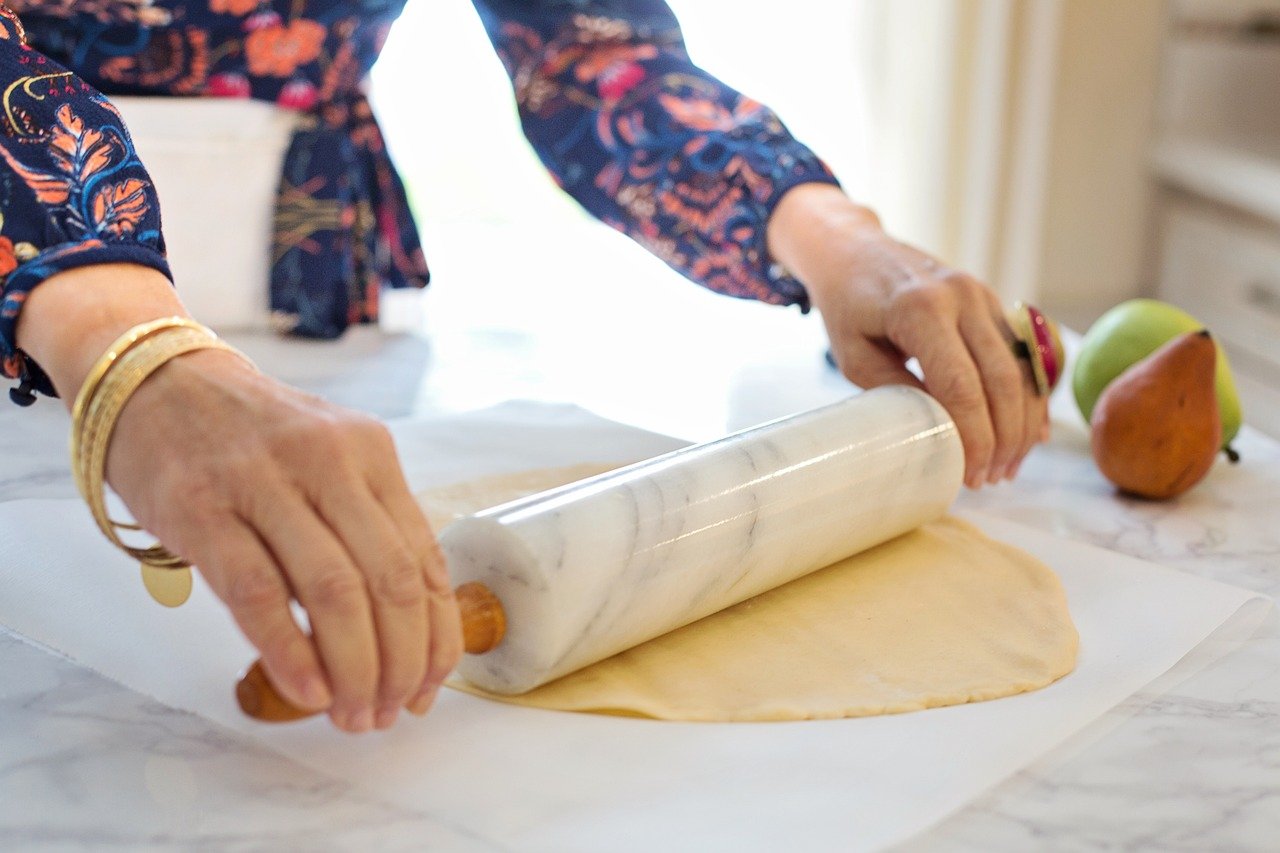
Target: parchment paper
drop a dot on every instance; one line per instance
(539, 780)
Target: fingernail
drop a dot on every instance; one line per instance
(362, 720)
(1044, 431)
(315, 693)
(421, 705)
(386, 717)
(994, 473)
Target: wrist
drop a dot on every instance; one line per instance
(813, 228)
(71, 319)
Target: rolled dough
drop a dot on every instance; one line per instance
(943, 615)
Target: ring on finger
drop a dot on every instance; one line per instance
(1036, 341)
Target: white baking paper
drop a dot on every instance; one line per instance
(540, 780)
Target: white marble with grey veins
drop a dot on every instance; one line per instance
(590, 570)
(85, 762)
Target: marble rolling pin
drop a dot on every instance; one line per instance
(559, 580)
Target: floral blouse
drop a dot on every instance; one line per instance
(627, 124)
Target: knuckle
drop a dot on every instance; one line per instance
(375, 432)
(185, 497)
(443, 662)
(337, 590)
(960, 393)
(401, 587)
(398, 682)
(315, 437)
(921, 299)
(379, 453)
(326, 434)
(437, 569)
(446, 647)
(980, 443)
(1006, 381)
(979, 455)
(1008, 438)
(359, 685)
(288, 656)
(255, 590)
(965, 285)
(201, 486)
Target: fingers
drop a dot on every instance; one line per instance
(1037, 426)
(953, 324)
(1035, 408)
(397, 592)
(925, 325)
(268, 490)
(360, 557)
(444, 624)
(446, 649)
(333, 590)
(1005, 386)
(244, 575)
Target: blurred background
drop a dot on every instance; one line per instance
(1074, 153)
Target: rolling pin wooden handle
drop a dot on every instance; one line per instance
(484, 623)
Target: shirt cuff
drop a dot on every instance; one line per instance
(788, 289)
(29, 273)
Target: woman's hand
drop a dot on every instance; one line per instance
(276, 495)
(884, 302)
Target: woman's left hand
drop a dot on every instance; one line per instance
(884, 302)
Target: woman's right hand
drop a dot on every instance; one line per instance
(277, 495)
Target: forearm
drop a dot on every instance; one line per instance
(649, 142)
(814, 232)
(72, 317)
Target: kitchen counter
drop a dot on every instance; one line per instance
(86, 762)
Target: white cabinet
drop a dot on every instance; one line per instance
(1228, 272)
(1216, 157)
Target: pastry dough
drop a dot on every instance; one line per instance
(943, 615)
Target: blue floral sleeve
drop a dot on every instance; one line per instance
(72, 190)
(650, 143)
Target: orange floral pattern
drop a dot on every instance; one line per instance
(233, 7)
(278, 50)
(343, 225)
(120, 208)
(8, 260)
(648, 142)
(73, 190)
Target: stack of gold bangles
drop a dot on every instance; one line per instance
(128, 362)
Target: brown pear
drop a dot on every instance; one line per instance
(1156, 427)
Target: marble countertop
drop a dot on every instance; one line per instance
(87, 763)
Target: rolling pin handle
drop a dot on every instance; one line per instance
(484, 624)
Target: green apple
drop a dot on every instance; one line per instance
(1130, 332)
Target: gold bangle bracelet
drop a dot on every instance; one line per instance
(104, 411)
(85, 423)
(121, 370)
(118, 348)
